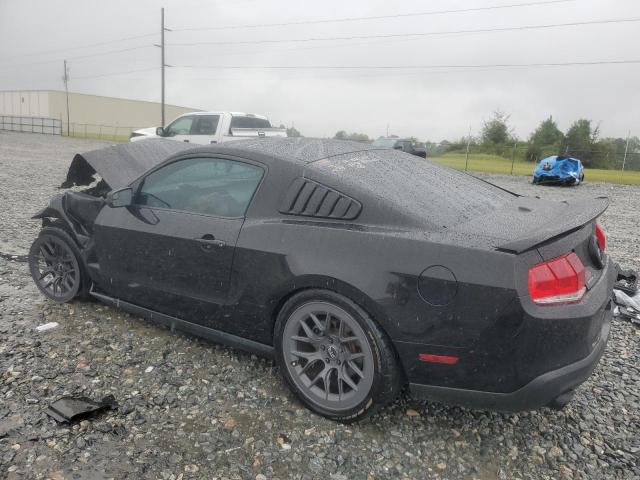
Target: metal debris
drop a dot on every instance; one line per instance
(69, 409)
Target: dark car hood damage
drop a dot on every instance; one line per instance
(119, 165)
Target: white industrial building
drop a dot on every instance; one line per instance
(45, 111)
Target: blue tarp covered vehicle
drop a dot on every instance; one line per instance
(559, 170)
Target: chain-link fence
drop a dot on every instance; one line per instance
(55, 126)
(601, 164)
(51, 126)
(612, 161)
(114, 133)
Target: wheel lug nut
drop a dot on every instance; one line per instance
(294, 363)
(322, 347)
(326, 360)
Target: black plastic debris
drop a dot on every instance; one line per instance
(627, 281)
(70, 409)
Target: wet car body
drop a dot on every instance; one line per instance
(439, 262)
(559, 170)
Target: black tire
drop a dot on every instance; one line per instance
(386, 380)
(69, 261)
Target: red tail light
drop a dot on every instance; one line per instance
(602, 240)
(559, 280)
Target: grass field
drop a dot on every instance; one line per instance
(481, 162)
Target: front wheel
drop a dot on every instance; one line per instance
(55, 266)
(335, 357)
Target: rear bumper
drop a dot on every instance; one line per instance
(541, 391)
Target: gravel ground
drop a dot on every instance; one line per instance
(189, 409)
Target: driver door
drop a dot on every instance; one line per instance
(172, 249)
(180, 128)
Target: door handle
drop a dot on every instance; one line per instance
(208, 242)
(186, 141)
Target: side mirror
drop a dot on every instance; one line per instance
(160, 132)
(120, 198)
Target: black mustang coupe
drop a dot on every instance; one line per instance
(361, 269)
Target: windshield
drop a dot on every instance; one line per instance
(385, 142)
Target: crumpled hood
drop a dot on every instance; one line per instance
(119, 165)
(554, 167)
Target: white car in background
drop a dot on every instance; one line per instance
(204, 128)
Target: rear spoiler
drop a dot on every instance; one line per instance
(259, 132)
(557, 222)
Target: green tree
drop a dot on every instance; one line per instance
(544, 141)
(340, 135)
(580, 139)
(293, 132)
(358, 137)
(547, 133)
(495, 131)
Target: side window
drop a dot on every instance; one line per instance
(180, 126)
(222, 188)
(205, 125)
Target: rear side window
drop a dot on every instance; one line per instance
(248, 122)
(217, 187)
(422, 188)
(205, 125)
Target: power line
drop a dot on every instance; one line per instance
(89, 45)
(373, 17)
(417, 34)
(79, 57)
(408, 67)
(300, 22)
(117, 73)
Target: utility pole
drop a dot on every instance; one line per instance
(513, 155)
(162, 59)
(466, 155)
(162, 62)
(626, 149)
(66, 89)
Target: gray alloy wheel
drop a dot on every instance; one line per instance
(54, 268)
(328, 356)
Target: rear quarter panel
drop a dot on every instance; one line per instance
(377, 268)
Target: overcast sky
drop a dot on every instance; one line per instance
(431, 104)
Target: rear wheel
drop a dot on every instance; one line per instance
(334, 356)
(55, 265)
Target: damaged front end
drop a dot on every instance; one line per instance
(102, 171)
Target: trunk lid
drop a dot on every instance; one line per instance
(528, 222)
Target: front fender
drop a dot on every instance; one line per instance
(55, 209)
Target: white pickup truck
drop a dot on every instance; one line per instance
(212, 127)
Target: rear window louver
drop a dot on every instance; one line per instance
(310, 199)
